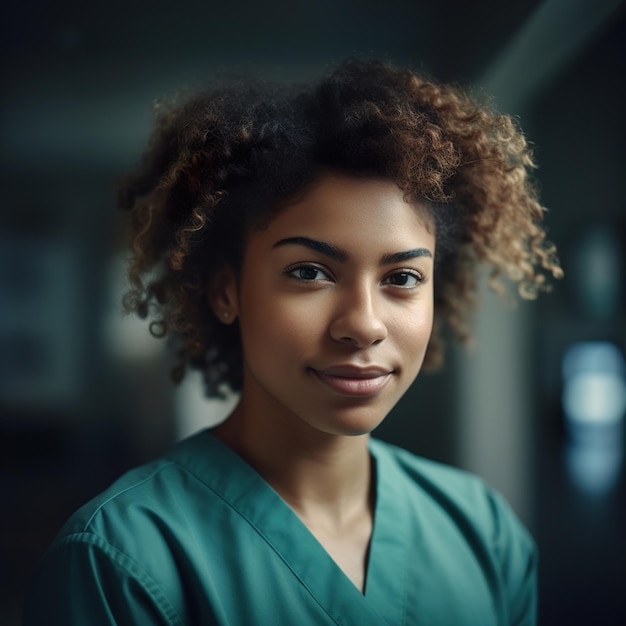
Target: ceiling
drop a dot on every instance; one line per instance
(80, 78)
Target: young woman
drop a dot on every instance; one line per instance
(302, 244)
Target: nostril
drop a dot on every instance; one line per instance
(350, 340)
(354, 341)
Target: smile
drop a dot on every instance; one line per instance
(352, 381)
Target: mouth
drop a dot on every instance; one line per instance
(354, 381)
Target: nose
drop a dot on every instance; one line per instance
(358, 319)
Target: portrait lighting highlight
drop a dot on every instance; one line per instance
(594, 403)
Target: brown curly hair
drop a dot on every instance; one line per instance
(223, 161)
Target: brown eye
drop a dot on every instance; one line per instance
(307, 273)
(403, 279)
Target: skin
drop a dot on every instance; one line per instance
(335, 306)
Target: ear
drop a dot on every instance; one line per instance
(222, 295)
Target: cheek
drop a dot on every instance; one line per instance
(411, 334)
(415, 325)
(277, 325)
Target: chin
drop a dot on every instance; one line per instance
(352, 423)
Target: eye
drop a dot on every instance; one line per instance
(307, 272)
(403, 279)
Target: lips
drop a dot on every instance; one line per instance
(348, 380)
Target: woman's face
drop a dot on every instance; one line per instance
(335, 305)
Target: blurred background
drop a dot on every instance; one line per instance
(536, 405)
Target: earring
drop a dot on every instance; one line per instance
(225, 315)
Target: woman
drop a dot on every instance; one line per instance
(302, 244)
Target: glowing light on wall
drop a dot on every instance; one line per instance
(594, 404)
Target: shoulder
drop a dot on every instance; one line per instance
(452, 488)
(444, 501)
(146, 498)
(144, 512)
(134, 495)
(461, 499)
(123, 552)
(438, 479)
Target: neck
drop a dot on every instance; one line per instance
(326, 479)
(321, 476)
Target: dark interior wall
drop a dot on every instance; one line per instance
(579, 130)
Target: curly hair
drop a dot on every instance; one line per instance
(223, 161)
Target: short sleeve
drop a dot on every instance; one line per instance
(516, 552)
(84, 580)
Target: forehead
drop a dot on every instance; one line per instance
(355, 210)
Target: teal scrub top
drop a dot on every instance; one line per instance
(199, 538)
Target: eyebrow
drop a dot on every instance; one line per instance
(399, 257)
(338, 254)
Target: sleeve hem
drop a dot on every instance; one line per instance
(132, 569)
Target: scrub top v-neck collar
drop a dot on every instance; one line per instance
(238, 484)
